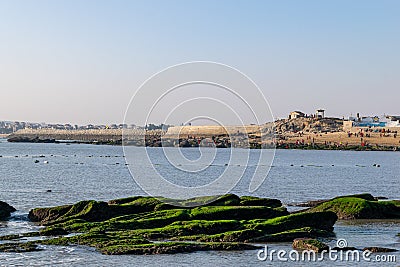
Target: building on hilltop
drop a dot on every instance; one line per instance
(296, 114)
(320, 113)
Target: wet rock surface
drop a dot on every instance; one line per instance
(5, 210)
(309, 244)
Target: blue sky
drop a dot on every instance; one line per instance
(81, 61)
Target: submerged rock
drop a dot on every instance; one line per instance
(18, 247)
(5, 210)
(379, 249)
(309, 244)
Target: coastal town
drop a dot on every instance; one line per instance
(8, 127)
(298, 130)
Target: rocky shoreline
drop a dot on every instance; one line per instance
(301, 133)
(220, 143)
(147, 225)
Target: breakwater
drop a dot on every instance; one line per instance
(186, 136)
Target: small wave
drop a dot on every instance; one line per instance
(19, 216)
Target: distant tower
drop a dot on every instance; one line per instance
(320, 113)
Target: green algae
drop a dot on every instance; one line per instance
(145, 225)
(318, 220)
(359, 208)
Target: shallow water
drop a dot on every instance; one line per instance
(76, 172)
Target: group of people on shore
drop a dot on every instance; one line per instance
(367, 133)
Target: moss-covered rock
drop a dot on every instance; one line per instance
(5, 210)
(318, 220)
(359, 208)
(129, 243)
(365, 196)
(282, 229)
(290, 235)
(309, 244)
(236, 213)
(146, 225)
(172, 247)
(94, 211)
(256, 201)
(53, 231)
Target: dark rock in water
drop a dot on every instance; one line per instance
(184, 143)
(311, 203)
(24, 139)
(48, 190)
(53, 231)
(5, 210)
(379, 249)
(309, 244)
(10, 237)
(344, 248)
(18, 247)
(36, 161)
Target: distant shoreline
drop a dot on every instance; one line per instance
(186, 137)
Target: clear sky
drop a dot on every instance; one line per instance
(81, 61)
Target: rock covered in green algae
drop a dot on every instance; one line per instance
(93, 211)
(174, 247)
(256, 201)
(309, 244)
(360, 207)
(145, 225)
(290, 235)
(5, 210)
